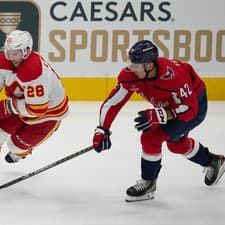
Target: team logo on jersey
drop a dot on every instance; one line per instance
(168, 75)
(159, 103)
(21, 15)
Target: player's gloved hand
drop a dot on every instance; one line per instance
(7, 107)
(150, 118)
(101, 139)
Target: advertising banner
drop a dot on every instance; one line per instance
(91, 38)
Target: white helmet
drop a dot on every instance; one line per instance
(19, 40)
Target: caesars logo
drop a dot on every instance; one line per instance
(120, 25)
(21, 15)
(97, 11)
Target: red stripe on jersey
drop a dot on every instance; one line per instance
(39, 110)
(52, 113)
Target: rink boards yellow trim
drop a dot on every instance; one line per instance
(97, 89)
(91, 89)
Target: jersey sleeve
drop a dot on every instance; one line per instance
(5, 70)
(186, 106)
(2, 73)
(114, 102)
(188, 87)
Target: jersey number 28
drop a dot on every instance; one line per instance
(37, 91)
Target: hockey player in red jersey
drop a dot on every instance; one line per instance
(35, 100)
(180, 104)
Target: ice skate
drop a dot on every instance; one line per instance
(215, 169)
(13, 158)
(142, 190)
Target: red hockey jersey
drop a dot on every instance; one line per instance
(176, 87)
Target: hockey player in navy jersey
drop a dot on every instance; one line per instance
(180, 104)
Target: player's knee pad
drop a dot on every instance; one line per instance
(152, 141)
(186, 146)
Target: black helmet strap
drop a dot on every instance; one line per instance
(147, 71)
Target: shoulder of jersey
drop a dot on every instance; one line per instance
(126, 75)
(4, 63)
(168, 68)
(163, 62)
(30, 69)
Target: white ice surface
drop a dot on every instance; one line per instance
(90, 189)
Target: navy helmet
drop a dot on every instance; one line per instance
(143, 51)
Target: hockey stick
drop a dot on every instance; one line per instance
(49, 166)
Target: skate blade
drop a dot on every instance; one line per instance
(220, 174)
(145, 197)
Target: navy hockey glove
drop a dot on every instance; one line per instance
(150, 118)
(101, 139)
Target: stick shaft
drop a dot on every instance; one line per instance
(49, 166)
